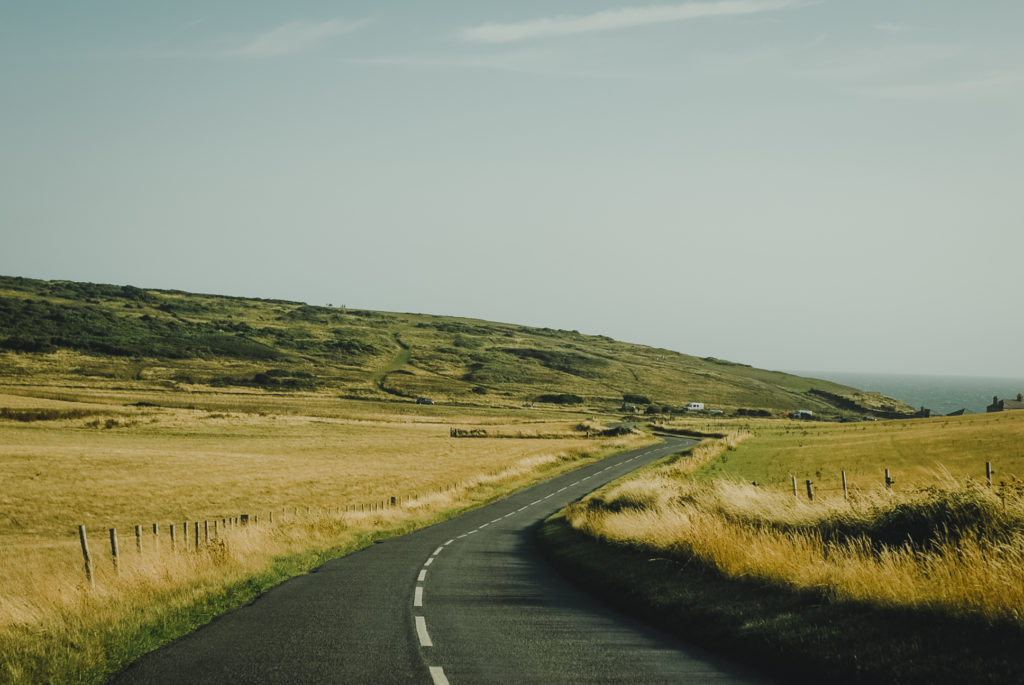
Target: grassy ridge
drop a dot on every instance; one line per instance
(181, 340)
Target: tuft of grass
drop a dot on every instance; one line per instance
(28, 415)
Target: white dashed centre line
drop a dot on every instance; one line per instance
(417, 600)
(438, 551)
(564, 489)
(421, 631)
(437, 673)
(423, 576)
(449, 542)
(429, 561)
(536, 502)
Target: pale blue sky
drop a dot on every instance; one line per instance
(832, 185)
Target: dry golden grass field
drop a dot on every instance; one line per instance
(103, 458)
(918, 453)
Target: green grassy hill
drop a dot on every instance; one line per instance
(173, 339)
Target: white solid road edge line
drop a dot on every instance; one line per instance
(437, 673)
(421, 631)
(418, 599)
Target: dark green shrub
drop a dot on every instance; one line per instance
(560, 398)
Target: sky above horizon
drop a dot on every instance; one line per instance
(794, 185)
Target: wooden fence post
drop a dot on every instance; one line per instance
(184, 535)
(271, 517)
(216, 529)
(138, 538)
(113, 550)
(156, 538)
(810, 491)
(173, 541)
(888, 481)
(206, 532)
(988, 472)
(394, 500)
(85, 555)
(795, 495)
(197, 534)
(846, 491)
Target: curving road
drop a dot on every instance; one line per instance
(469, 600)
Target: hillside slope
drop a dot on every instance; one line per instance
(158, 338)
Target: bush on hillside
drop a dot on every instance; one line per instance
(560, 398)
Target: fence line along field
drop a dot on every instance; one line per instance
(918, 453)
(327, 469)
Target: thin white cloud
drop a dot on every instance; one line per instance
(613, 20)
(539, 62)
(293, 37)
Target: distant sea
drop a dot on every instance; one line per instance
(942, 394)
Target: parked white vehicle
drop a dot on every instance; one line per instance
(695, 406)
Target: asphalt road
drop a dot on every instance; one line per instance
(469, 600)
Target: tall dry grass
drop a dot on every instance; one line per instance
(958, 548)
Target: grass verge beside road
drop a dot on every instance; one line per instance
(916, 583)
(788, 633)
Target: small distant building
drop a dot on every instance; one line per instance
(1005, 405)
(960, 412)
(801, 414)
(695, 406)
